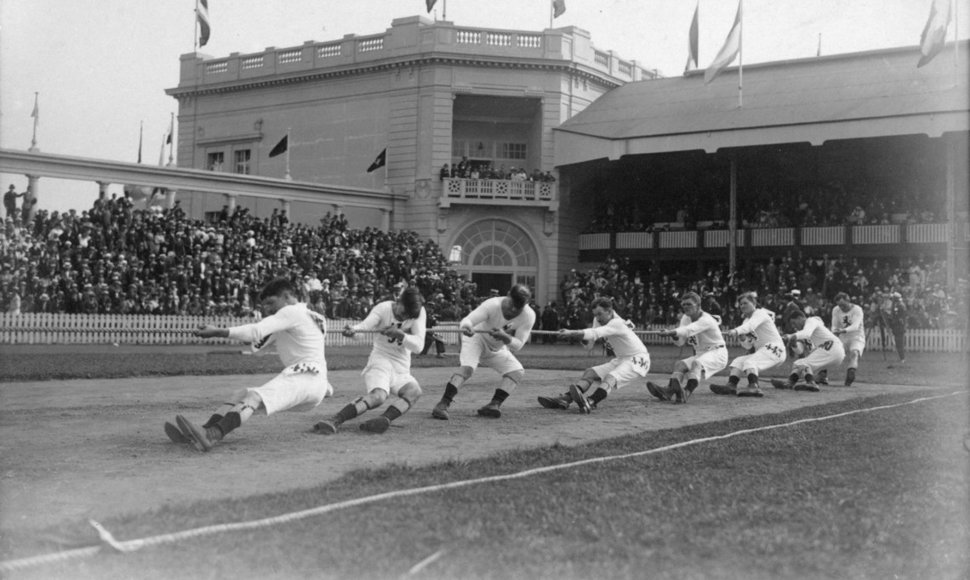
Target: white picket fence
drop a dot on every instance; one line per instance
(35, 328)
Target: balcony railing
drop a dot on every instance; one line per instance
(755, 238)
(499, 190)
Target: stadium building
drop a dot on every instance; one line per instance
(405, 104)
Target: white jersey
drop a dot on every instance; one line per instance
(759, 329)
(703, 334)
(297, 331)
(617, 336)
(381, 317)
(488, 316)
(850, 322)
(815, 332)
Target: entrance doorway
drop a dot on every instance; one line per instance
(487, 282)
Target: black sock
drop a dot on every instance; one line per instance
(598, 395)
(734, 380)
(793, 378)
(673, 383)
(450, 392)
(499, 397)
(808, 377)
(752, 379)
(213, 420)
(229, 422)
(347, 413)
(392, 413)
(691, 385)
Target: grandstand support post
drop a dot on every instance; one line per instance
(732, 219)
(285, 203)
(103, 189)
(33, 188)
(954, 244)
(385, 219)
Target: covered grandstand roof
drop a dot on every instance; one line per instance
(867, 94)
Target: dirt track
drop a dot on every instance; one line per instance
(95, 448)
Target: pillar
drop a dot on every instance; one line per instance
(285, 203)
(231, 202)
(385, 220)
(30, 200)
(103, 189)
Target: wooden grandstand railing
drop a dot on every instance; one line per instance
(37, 328)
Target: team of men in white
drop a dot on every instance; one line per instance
(491, 333)
(631, 362)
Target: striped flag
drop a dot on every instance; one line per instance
(692, 38)
(728, 52)
(558, 8)
(202, 15)
(934, 33)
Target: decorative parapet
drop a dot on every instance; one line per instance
(500, 192)
(408, 39)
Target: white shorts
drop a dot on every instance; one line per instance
(829, 354)
(475, 352)
(297, 388)
(766, 357)
(708, 362)
(624, 370)
(386, 375)
(853, 343)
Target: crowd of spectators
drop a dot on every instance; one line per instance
(649, 298)
(465, 169)
(116, 259)
(824, 206)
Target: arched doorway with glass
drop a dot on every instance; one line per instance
(495, 254)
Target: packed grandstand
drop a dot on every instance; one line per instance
(114, 258)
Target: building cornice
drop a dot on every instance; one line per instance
(565, 67)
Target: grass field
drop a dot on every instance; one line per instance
(878, 492)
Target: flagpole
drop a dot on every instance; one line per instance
(288, 177)
(171, 136)
(141, 134)
(195, 29)
(740, 54)
(552, 13)
(444, 10)
(36, 115)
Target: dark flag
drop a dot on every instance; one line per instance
(933, 39)
(558, 8)
(692, 38)
(430, 4)
(379, 161)
(280, 147)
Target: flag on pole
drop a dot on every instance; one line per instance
(36, 112)
(281, 147)
(558, 8)
(728, 52)
(141, 131)
(379, 161)
(161, 153)
(934, 33)
(171, 130)
(430, 4)
(202, 14)
(692, 38)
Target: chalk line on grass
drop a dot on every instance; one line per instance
(125, 546)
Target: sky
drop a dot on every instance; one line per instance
(100, 67)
